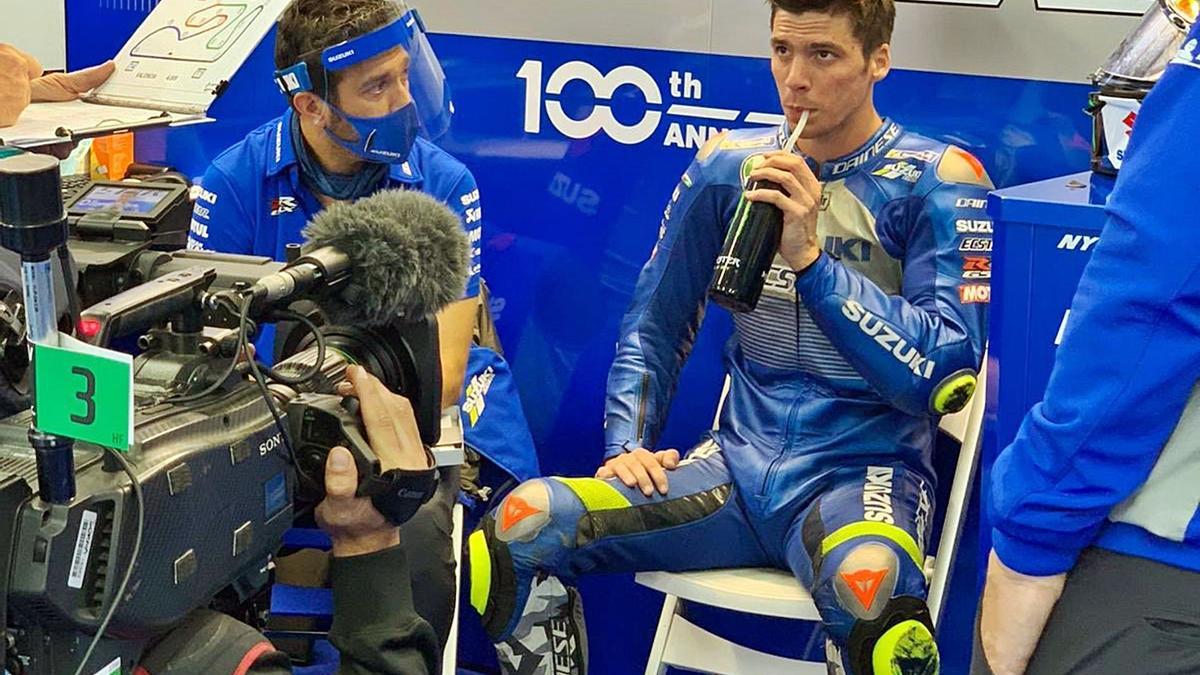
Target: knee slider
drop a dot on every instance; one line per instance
(520, 517)
(899, 642)
(891, 635)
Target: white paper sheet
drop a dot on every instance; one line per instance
(43, 123)
(168, 72)
(181, 55)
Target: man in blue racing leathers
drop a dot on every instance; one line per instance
(871, 326)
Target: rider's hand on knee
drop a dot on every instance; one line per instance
(641, 469)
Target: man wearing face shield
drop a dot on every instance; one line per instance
(1096, 530)
(366, 95)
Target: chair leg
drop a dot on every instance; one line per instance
(450, 649)
(654, 664)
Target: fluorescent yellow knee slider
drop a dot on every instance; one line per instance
(908, 648)
(481, 571)
(953, 393)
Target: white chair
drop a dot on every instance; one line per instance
(450, 649)
(450, 452)
(774, 592)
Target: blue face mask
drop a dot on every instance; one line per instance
(386, 140)
(342, 188)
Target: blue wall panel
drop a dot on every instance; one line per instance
(97, 29)
(569, 222)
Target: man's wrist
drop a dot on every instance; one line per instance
(613, 449)
(347, 546)
(804, 261)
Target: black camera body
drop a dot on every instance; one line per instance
(126, 546)
(218, 493)
(218, 485)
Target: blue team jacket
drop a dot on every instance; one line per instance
(1111, 456)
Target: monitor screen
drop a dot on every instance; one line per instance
(128, 201)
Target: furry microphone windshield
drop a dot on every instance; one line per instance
(408, 252)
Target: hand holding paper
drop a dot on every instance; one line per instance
(22, 83)
(70, 86)
(14, 84)
(163, 75)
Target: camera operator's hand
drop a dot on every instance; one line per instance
(353, 523)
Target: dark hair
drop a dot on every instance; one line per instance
(873, 20)
(309, 26)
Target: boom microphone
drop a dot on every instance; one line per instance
(406, 254)
(323, 267)
(397, 253)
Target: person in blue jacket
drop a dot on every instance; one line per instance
(1096, 525)
(872, 325)
(365, 89)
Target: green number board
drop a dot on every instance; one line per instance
(84, 392)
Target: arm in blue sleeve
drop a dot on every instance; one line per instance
(1130, 356)
(464, 201)
(660, 326)
(456, 321)
(220, 221)
(907, 345)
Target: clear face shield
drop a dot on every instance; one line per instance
(1129, 74)
(385, 139)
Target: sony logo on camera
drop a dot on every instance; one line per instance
(270, 444)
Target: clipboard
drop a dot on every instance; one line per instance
(169, 72)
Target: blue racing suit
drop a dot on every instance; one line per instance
(821, 460)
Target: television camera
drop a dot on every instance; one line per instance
(102, 552)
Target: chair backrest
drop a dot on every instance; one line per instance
(967, 427)
(964, 426)
(485, 325)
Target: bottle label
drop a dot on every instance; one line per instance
(728, 262)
